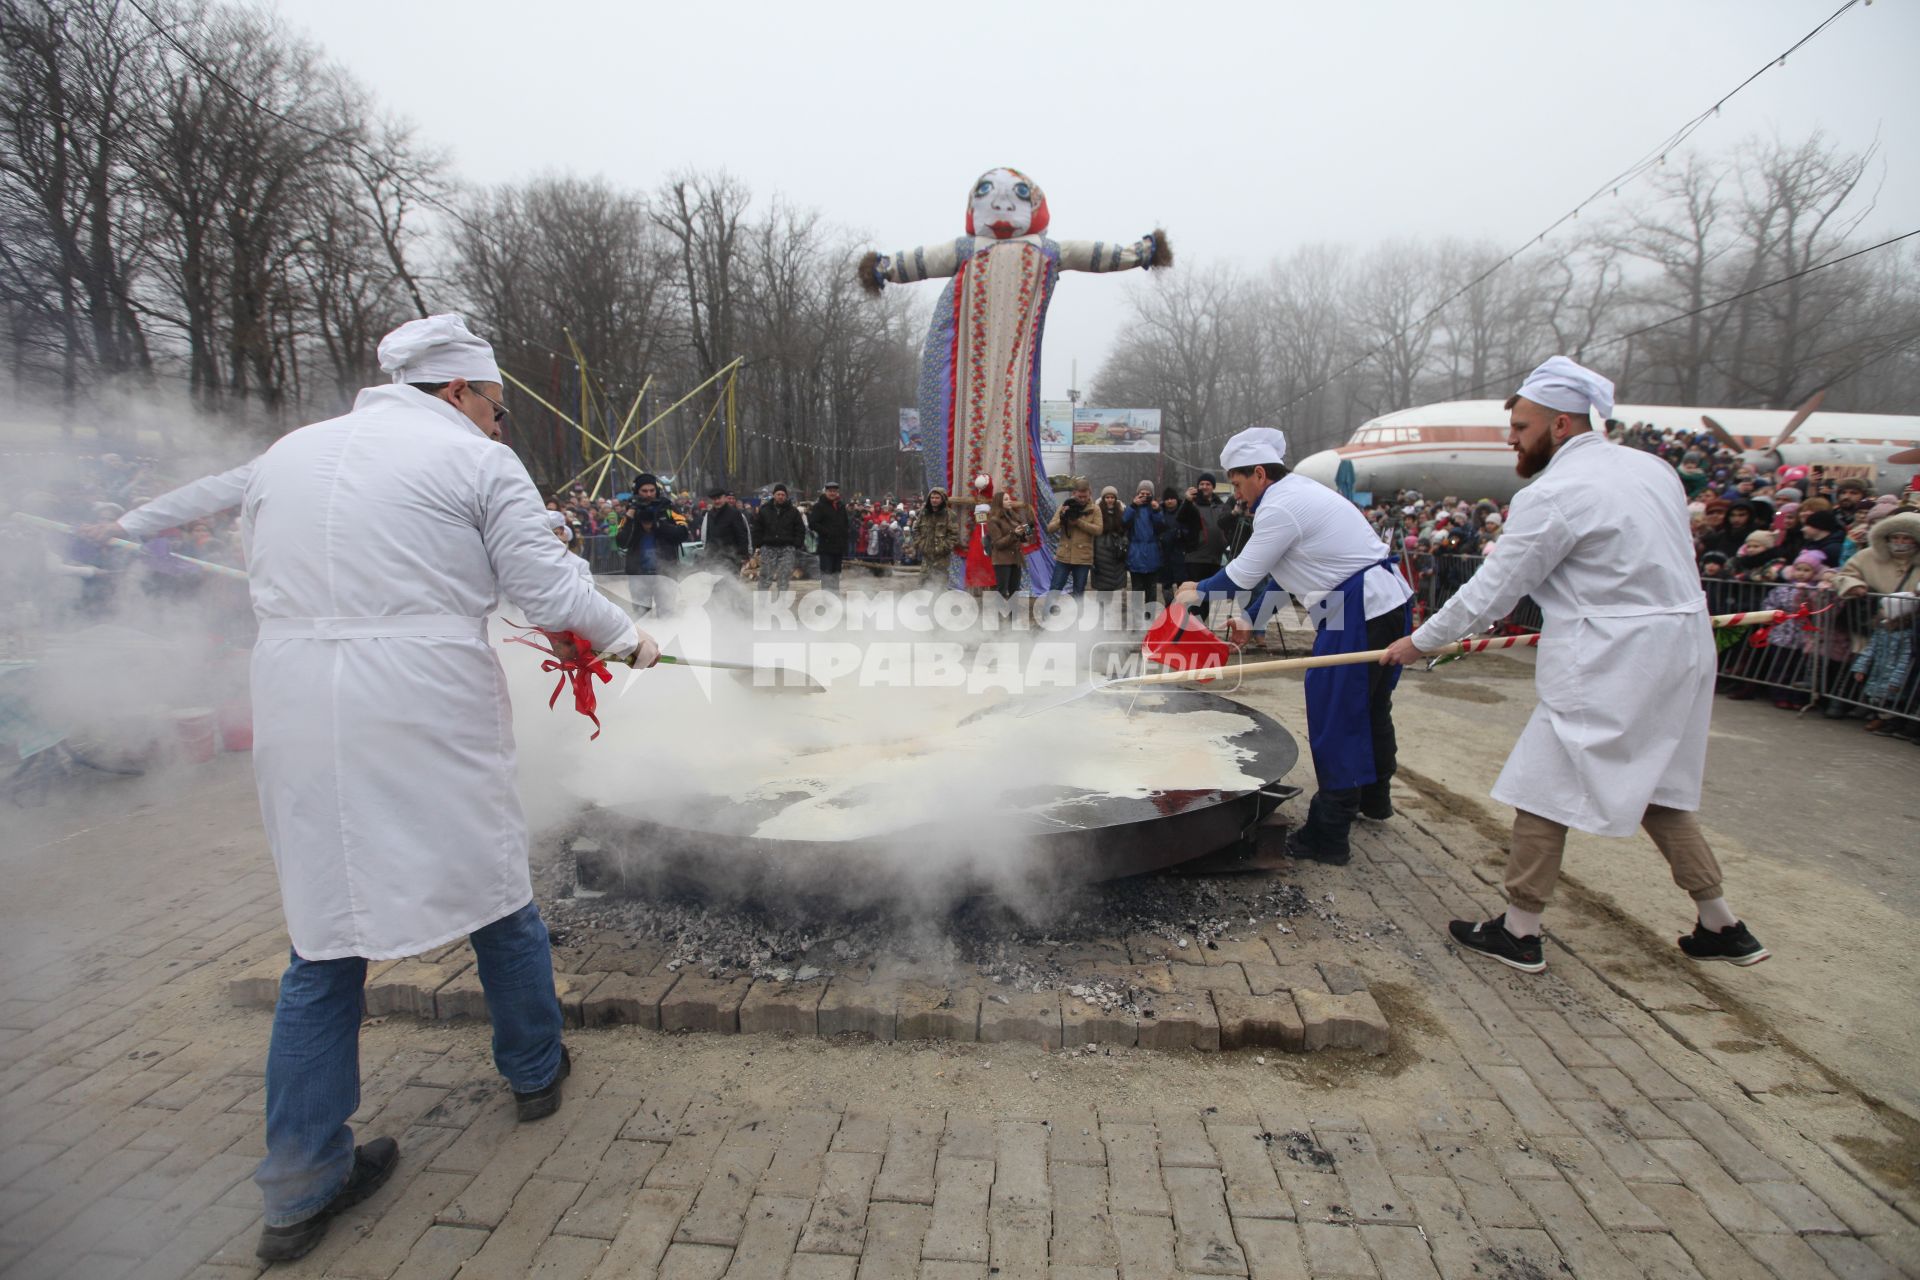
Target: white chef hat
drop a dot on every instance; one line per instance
(437, 349)
(1253, 446)
(1566, 387)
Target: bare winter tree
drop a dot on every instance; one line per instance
(76, 79)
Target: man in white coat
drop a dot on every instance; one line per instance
(1625, 664)
(378, 544)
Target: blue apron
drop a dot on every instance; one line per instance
(1339, 710)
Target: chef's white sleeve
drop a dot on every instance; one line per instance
(189, 502)
(1536, 539)
(537, 574)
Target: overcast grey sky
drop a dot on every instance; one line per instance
(1244, 129)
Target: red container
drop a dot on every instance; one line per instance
(235, 721)
(197, 731)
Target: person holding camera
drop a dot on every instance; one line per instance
(650, 540)
(1144, 526)
(1179, 530)
(1009, 533)
(1075, 525)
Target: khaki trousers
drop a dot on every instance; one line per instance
(1533, 868)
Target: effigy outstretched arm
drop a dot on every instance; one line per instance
(908, 266)
(1151, 252)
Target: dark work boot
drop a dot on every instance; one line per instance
(1323, 837)
(1376, 801)
(541, 1103)
(373, 1164)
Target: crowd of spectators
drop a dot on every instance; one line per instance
(1766, 536)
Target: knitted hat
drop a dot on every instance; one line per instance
(1817, 559)
(1824, 520)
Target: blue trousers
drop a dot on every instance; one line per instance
(313, 1063)
(1074, 574)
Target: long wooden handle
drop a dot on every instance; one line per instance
(205, 566)
(1758, 617)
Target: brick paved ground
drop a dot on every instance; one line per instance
(1619, 1118)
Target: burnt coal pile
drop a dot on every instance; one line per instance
(1081, 940)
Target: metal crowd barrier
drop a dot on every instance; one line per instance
(1855, 659)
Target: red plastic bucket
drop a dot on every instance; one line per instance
(197, 731)
(236, 726)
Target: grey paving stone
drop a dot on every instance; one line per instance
(1252, 1187)
(1203, 1233)
(1020, 1166)
(602, 1207)
(894, 1233)
(782, 1008)
(1133, 1171)
(527, 1223)
(1032, 1016)
(957, 1230)
(927, 1011)
(646, 1232)
(1336, 1250)
(1274, 1249)
(838, 1221)
(1730, 1203)
(1019, 1239)
(1082, 1229)
(767, 1244)
(907, 1171)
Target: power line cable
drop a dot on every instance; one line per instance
(1651, 159)
(1618, 338)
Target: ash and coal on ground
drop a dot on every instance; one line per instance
(1080, 940)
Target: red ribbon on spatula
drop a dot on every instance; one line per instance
(581, 671)
(1178, 642)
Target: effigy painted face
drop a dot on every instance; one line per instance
(1006, 203)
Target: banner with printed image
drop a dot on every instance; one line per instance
(1116, 430)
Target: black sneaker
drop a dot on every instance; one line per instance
(1305, 850)
(542, 1103)
(1492, 939)
(1376, 806)
(1734, 944)
(372, 1165)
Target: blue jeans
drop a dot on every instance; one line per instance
(1076, 573)
(313, 1063)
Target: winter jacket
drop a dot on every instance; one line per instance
(1211, 548)
(724, 532)
(1110, 553)
(1076, 533)
(1176, 534)
(651, 539)
(1008, 533)
(936, 533)
(778, 524)
(828, 520)
(1143, 538)
(1874, 568)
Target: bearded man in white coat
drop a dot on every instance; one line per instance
(1625, 664)
(378, 544)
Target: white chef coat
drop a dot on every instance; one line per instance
(383, 741)
(189, 502)
(1625, 671)
(1309, 540)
